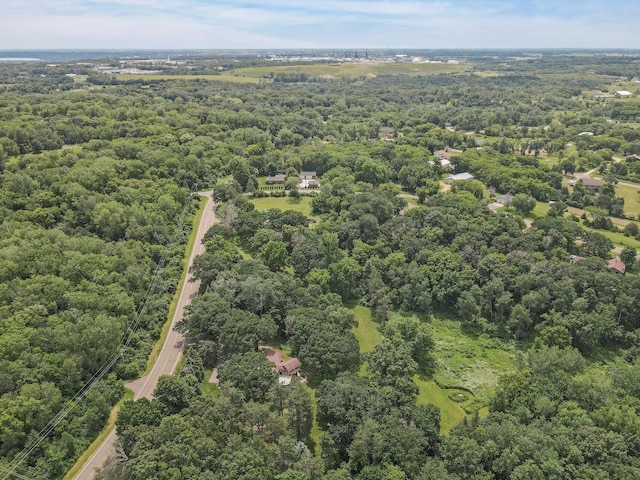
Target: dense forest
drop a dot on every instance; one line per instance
(97, 200)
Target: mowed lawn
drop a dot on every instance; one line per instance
(631, 197)
(451, 413)
(302, 204)
(366, 331)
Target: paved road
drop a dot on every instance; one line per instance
(171, 350)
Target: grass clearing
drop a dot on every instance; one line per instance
(367, 331)
(302, 204)
(209, 389)
(541, 209)
(470, 362)
(463, 362)
(350, 70)
(618, 239)
(451, 413)
(631, 197)
(217, 78)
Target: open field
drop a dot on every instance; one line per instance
(351, 70)
(463, 363)
(631, 197)
(217, 78)
(470, 362)
(366, 331)
(618, 239)
(302, 204)
(451, 413)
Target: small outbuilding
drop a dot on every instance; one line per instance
(617, 266)
(458, 176)
(505, 199)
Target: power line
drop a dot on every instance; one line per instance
(108, 364)
(17, 475)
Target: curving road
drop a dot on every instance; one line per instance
(171, 349)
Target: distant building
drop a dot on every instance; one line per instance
(592, 184)
(582, 134)
(308, 180)
(276, 180)
(445, 159)
(575, 258)
(459, 176)
(617, 266)
(623, 93)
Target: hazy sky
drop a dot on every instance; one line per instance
(203, 24)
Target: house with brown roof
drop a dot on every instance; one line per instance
(592, 184)
(286, 369)
(443, 155)
(617, 266)
(276, 180)
(290, 367)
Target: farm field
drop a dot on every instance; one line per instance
(218, 78)
(350, 70)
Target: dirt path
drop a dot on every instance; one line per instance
(171, 350)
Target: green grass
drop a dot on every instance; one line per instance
(451, 413)
(472, 362)
(218, 78)
(631, 197)
(541, 209)
(223, 180)
(366, 331)
(618, 239)
(351, 70)
(88, 453)
(302, 204)
(209, 389)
